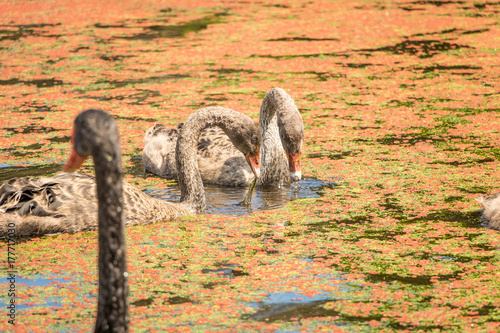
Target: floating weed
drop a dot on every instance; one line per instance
(401, 128)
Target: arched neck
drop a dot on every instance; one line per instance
(190, 181)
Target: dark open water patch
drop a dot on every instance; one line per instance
(221, 71)
(437, 67)
(227, 200)
(135, 118)
(9, 171)
(139, 98)
(466, 162)
(468, 220)
(418, 280)
(176, 31)
(285, 311)
(293, 56)
(414, 138)
(143, 302)
(333, 156)
(146, 80)
(321, 76)
(116, 57)
(33, 149)
(41, 83)
(452, 31)
(421, 48)
(302, 39)
(31, 129)
(226, 271)
(24, 30)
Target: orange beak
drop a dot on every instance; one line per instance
(294, 166)
(253, 160)
(75, 161)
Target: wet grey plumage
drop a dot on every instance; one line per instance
(68, 203)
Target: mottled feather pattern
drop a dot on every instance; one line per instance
(276, 104)
(52, 205)
(219, 161)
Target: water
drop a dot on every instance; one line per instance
(220, 200)
(8, 171)
(227, 200)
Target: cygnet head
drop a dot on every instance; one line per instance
(292, 138)
(93, 129)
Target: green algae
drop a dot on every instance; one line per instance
(401, 120)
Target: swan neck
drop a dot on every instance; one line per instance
(112, 306)
(190, 181)
(274, 170)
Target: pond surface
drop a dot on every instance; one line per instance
(228, 200)
(220, 200)
(399, 99)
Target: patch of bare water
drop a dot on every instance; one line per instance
(227, 200)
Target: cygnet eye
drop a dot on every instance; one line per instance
(84, 148)
(254, 138)
(106, 124)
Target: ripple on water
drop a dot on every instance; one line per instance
(227, 200)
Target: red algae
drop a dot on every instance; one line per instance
(400, 105)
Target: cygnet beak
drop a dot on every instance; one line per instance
(294, 166)
(253, 160)
(75, 161)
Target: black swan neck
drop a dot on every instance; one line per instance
(112, 306)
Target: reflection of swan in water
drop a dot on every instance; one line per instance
(68, 202)
(226, 201)
(282, 131)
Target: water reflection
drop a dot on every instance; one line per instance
(287, 305)
(227, 200)
(220, 200)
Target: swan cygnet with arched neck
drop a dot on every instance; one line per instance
(491, 210)
(221, 164)
(68, 202)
